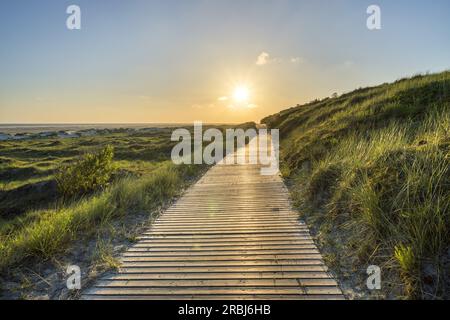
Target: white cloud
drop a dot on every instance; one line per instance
(223, 98)
(263, 59)
(297, 60)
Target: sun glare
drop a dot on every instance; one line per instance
(241, 94)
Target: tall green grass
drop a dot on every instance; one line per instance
(373, 166)
(52, 231)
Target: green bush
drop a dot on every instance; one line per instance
(89, 173)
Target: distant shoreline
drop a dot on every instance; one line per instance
(13, 128)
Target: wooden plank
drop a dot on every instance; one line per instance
(235, 232)
(207, 241)
(221, 230)
(183, 244)
(221, 263)
(97, 296)
(279, 268)
(216, 290)
(187, 253)
(139, 257)
(222, 275)
(230, 224)
(216, 220)
(301, 236)
(286, 235)
(215, 214)
(219, 283)
(246, 229)
(220, 247)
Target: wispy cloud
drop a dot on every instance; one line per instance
(263, 59)
(297, 60)
(223, 98)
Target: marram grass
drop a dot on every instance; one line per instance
(373, 166)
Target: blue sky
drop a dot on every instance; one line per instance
(171, 60)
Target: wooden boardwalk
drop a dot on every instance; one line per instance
(232, 235)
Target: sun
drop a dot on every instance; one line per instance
(241, 94)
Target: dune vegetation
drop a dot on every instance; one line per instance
(61, 195)
(73, 187)
(28, 168)
(370, 171)
(48, 232)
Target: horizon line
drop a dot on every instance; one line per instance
(115, 123)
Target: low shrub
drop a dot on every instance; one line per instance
(89, 173)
